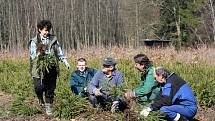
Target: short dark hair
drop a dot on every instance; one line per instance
(44, 24)
(82, 60)
(142, 59)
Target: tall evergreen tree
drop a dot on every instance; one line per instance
(178, 17)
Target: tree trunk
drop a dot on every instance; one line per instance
(177, 23)
(137, 24)
(213, 18)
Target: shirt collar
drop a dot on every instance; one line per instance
(44, 38)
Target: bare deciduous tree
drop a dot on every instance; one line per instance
(213, 18)
(82, 23)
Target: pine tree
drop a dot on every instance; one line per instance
(177, 17)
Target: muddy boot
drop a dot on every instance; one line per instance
(48, 109)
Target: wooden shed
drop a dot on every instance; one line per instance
(155, 42)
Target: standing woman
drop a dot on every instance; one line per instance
(45, 52)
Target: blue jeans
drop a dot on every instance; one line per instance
(186, 111)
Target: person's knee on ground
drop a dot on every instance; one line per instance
(93, 100)
(173, 115)
(99, 100)
(170, 115)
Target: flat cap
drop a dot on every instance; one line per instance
(109, 61)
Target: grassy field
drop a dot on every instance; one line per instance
(15, 81)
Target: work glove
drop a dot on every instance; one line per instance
(145, 112)
(66, 63)
(97, 91)
(130, 95)
(85, 89)
(115, 106)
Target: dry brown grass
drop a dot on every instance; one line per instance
(163, 55)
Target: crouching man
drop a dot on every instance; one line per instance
(102, 84)
(148, 87)
(176, 99)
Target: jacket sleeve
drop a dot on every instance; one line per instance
(164, 98)
(32, 50)
(120, 80)
(94, 83)
(145, 87)
(73, 79)
(74, 84)
(59, 52)
(94, 71)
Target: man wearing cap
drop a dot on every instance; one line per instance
(102, 84)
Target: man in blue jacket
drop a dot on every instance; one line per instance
(176, 99)
(81, 77)
(102, 84)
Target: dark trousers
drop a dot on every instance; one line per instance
(105, 99)
(46, 86)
